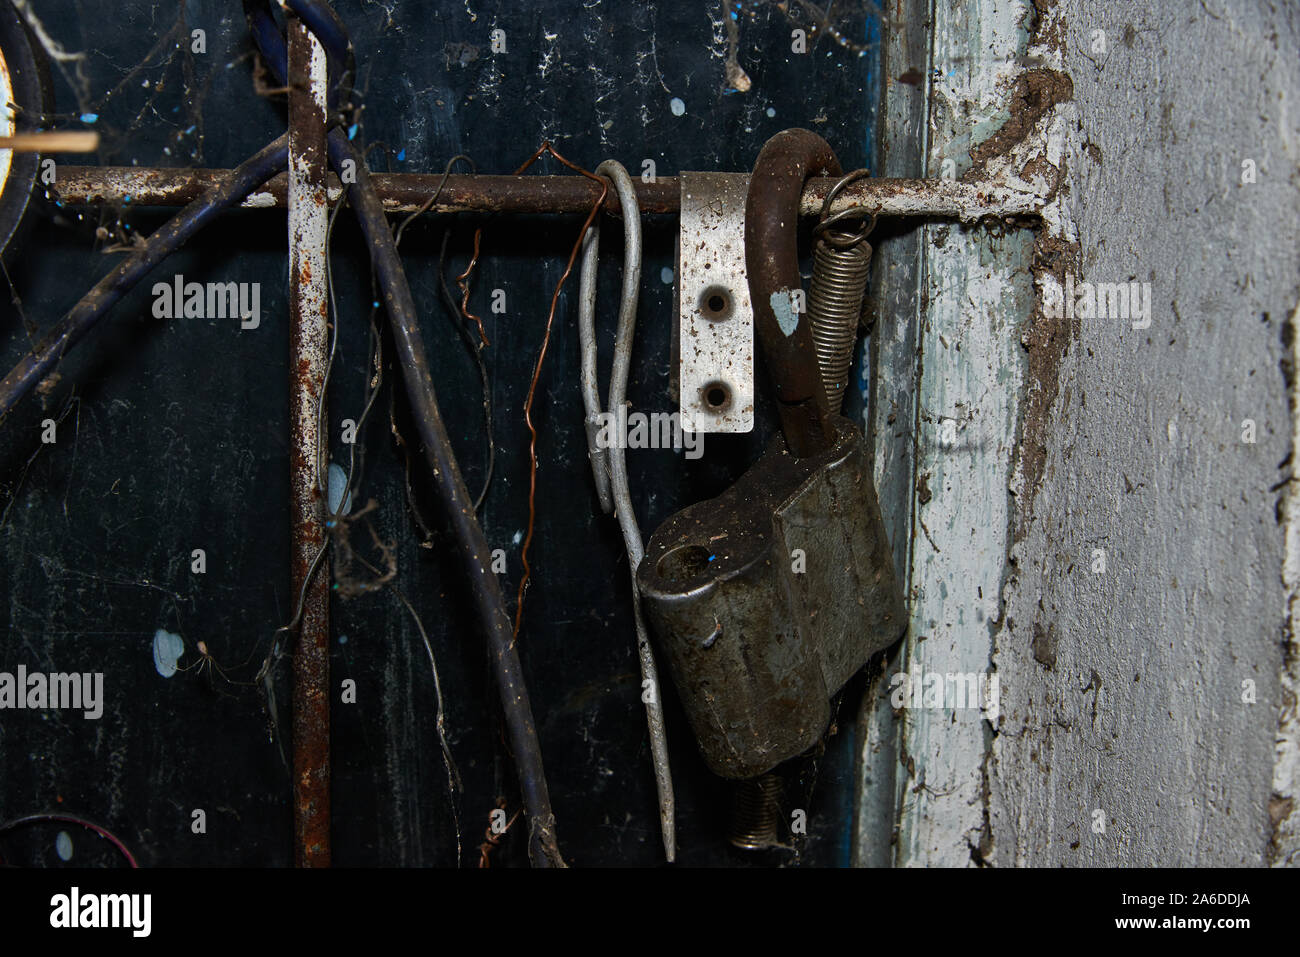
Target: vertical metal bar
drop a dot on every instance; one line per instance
(308, 349)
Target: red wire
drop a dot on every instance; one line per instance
(69, 819)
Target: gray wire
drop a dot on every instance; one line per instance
(617, 463)
(324, 445)
(590, 384)
(454, 785)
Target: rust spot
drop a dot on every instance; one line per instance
(311, 713)
(1279, 809)
(1033, 94)
(1044, 645)
(1046, 341)
(923, 493)
(399, 192)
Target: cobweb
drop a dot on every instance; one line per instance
(147, 78)
(146, 112)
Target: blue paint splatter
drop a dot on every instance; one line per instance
(167, 650)
(401, 157)
(783, 307)
(352, 131)
(89, 117)
(340, 499)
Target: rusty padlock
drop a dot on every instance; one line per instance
(768, 598)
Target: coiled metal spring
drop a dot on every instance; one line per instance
(841, 264)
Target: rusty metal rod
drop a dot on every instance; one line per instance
(772, 261)
(407, 192)
(308, 356)
(543, 848)
(458, 505)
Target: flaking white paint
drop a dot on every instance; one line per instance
(978, 290)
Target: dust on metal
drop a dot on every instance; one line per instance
(968, 201)
(768, 598)
(716, 326)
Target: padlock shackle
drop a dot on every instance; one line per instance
(786, 161)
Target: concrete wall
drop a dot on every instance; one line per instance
(1104, 524)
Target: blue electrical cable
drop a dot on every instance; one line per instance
(321, 20)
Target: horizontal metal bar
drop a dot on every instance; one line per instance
(407, 192)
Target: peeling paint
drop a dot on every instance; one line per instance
(1284, 839)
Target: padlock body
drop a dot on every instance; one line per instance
(768, 598)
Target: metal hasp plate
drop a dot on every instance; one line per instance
(716, 339)
(769, 597)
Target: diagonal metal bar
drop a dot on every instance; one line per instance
(226, 188)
